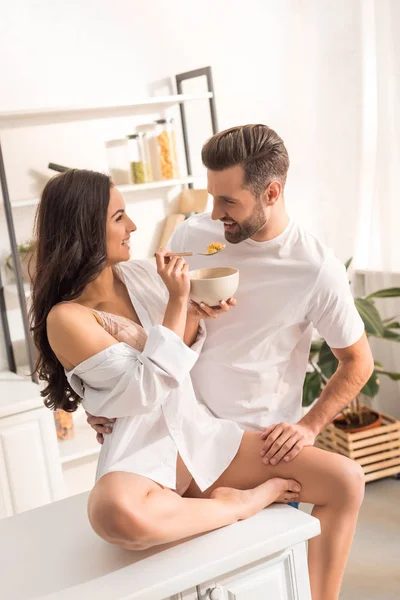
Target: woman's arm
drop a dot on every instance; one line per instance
(118, 380)
(174, 273)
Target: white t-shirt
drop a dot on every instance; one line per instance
(253, 362)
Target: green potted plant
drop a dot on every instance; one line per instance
(25, 251)
(322, 364)
(370, 438)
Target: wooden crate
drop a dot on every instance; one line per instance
(376, 450)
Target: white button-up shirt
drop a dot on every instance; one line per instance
(151, 395)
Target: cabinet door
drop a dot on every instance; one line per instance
(187, 595)
(280, 577)
(30, 467)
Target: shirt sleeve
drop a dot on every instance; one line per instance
(121, 381)
(332, 310)
(198, 343)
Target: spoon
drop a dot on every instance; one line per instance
(194, 253)
(215, 251)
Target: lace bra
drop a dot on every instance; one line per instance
(122, 329)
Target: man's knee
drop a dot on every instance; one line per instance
(352, 482)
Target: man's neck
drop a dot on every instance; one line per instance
(274, 226)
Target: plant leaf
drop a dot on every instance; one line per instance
(348, 263)
(369, 314)
(371, 388)
(311, 388)
(388, 334)
(393, 376)
(391, 324)
(327, 362)
(386, 293)
(316, 345)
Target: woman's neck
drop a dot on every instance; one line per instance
(103, 288)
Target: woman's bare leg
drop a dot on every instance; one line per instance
(333, 483)
(136, 513)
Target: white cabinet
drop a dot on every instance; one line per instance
(188, 595)
(30, 468)
(262, 558)
(282, 576)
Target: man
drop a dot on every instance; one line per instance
(252, 367)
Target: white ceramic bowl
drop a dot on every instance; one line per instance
(213, 285)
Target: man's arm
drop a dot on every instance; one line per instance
(285, 440)
(332, 312)
(356, 365)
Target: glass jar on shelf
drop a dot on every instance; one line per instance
(166, 142)
(118, 162)
(139, 160)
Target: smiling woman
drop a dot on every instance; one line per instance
(71, 251)
(118, 223)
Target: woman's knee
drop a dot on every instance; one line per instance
(119, 522)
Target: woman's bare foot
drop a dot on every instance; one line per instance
(249, 502)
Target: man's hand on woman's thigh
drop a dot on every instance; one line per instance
(284, 441)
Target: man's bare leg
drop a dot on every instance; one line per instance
(333, 483)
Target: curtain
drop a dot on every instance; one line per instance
(377, 252)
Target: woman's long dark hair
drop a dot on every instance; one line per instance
(70, 252)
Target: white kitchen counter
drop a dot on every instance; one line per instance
(17, 394)
(52, 552)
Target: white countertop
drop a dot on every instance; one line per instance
(52, 552)
(17, 394)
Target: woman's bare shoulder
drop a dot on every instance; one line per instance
(75, 334)
(65, 314)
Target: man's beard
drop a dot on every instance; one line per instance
(244, 231)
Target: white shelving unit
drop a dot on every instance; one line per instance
(50, 115)
(11, 288)
(84, 444)
(19, 119)
(140, 187)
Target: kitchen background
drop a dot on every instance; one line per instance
(323, 73)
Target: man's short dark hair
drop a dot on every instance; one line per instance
(257, 148)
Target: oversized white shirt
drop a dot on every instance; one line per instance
(253, 362)
(151, 395)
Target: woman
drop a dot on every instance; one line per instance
(111, 335)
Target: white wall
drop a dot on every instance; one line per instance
(293, 64)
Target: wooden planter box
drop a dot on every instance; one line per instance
(376, 450)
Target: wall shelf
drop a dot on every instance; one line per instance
(46, 116)
(154, 185)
